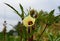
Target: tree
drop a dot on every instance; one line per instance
(59, 8)
(11, 32)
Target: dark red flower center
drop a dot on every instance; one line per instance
(30, 23)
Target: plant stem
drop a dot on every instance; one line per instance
(20, 35)
(43, 30)
(29, 33)
(30, 38)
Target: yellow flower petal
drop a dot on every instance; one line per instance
(27, 19)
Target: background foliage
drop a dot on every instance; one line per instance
(46, 27)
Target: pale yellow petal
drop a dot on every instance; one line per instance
(27, 19)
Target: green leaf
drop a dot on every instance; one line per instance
(50, 37)
(22, 10)
(50, 18)
(13, 9)
(57, 18)
(57, 38)
(52, 12)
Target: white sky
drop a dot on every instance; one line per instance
(7, 14)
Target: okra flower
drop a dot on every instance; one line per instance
(28, 21)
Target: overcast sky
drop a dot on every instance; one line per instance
(7, 13)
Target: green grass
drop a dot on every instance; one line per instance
(9, 38)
